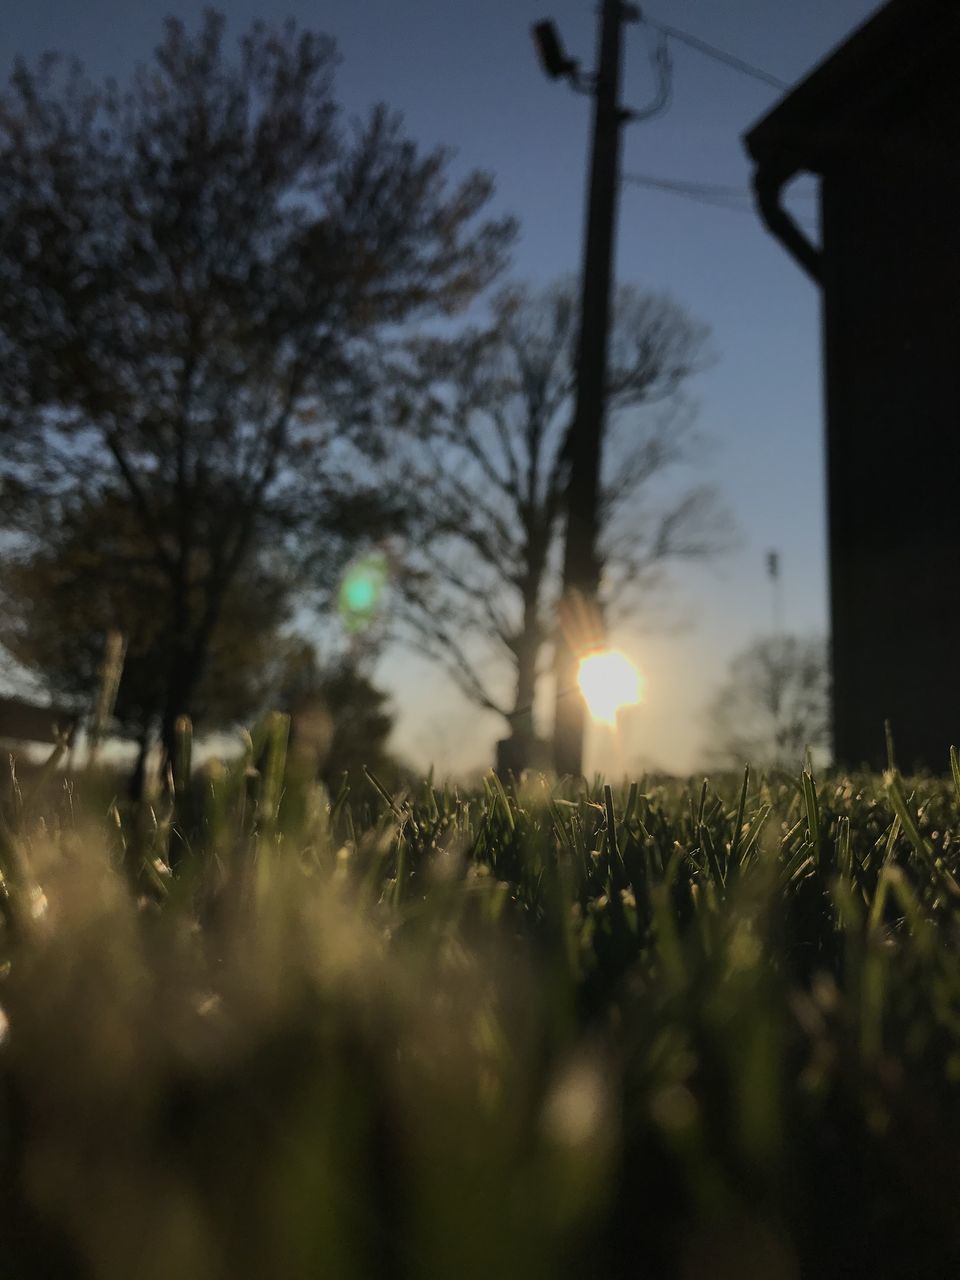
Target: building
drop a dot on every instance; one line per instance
(22, 721)
(877, 122)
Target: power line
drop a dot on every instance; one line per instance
(720, 55)
(716, 196)
(686, 188)
(707, 189)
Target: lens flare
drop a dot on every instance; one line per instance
(359, 594)
(608, 681)
(361, 591)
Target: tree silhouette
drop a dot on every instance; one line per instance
(340, 719)
(774, 705)
(95, 574)
(488, 412)
(194, 274)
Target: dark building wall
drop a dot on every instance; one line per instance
(878, 120)
(891, 300)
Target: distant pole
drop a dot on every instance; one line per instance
(773, 572)
(778, 672)
(581, 570)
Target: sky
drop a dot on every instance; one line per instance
(466, 75)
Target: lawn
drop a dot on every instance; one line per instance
(657, 1029)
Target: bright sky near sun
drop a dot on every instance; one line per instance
(609, 682)
(465, 74)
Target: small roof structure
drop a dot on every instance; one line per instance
(877, 121)
(22, 721)
(879, 98)
(865, 86)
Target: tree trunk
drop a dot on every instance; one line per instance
(185, 672)
(138, 777)
(521, 718)
(527, 652)
(189, 656)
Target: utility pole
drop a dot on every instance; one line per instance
(581, 570)
(581, 624)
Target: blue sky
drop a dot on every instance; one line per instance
(466, 75)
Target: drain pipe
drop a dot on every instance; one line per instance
(769, 180)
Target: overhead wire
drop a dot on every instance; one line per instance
(720, 55)
(710, 190)
(711, 194)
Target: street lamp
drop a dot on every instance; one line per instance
(552, 57)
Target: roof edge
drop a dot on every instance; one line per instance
(883, 50)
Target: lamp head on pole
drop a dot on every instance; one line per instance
(550, 49)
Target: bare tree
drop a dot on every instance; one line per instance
(193, 276)
(774, 705)
(489, 411)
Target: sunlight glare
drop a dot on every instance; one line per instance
(608, 681)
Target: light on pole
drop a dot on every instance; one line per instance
(553, 59)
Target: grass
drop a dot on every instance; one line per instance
(656, 1030)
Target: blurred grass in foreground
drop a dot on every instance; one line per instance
(650, 1031)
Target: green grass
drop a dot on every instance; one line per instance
(655, 1030)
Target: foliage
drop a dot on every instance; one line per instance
(489, 410)
(775, 704)
(95, 573)
(340, 719)
(661, 1030)
(194, 274)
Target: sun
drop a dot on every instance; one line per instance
(608, 681)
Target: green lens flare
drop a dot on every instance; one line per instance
(360, 594)
(361, 591)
